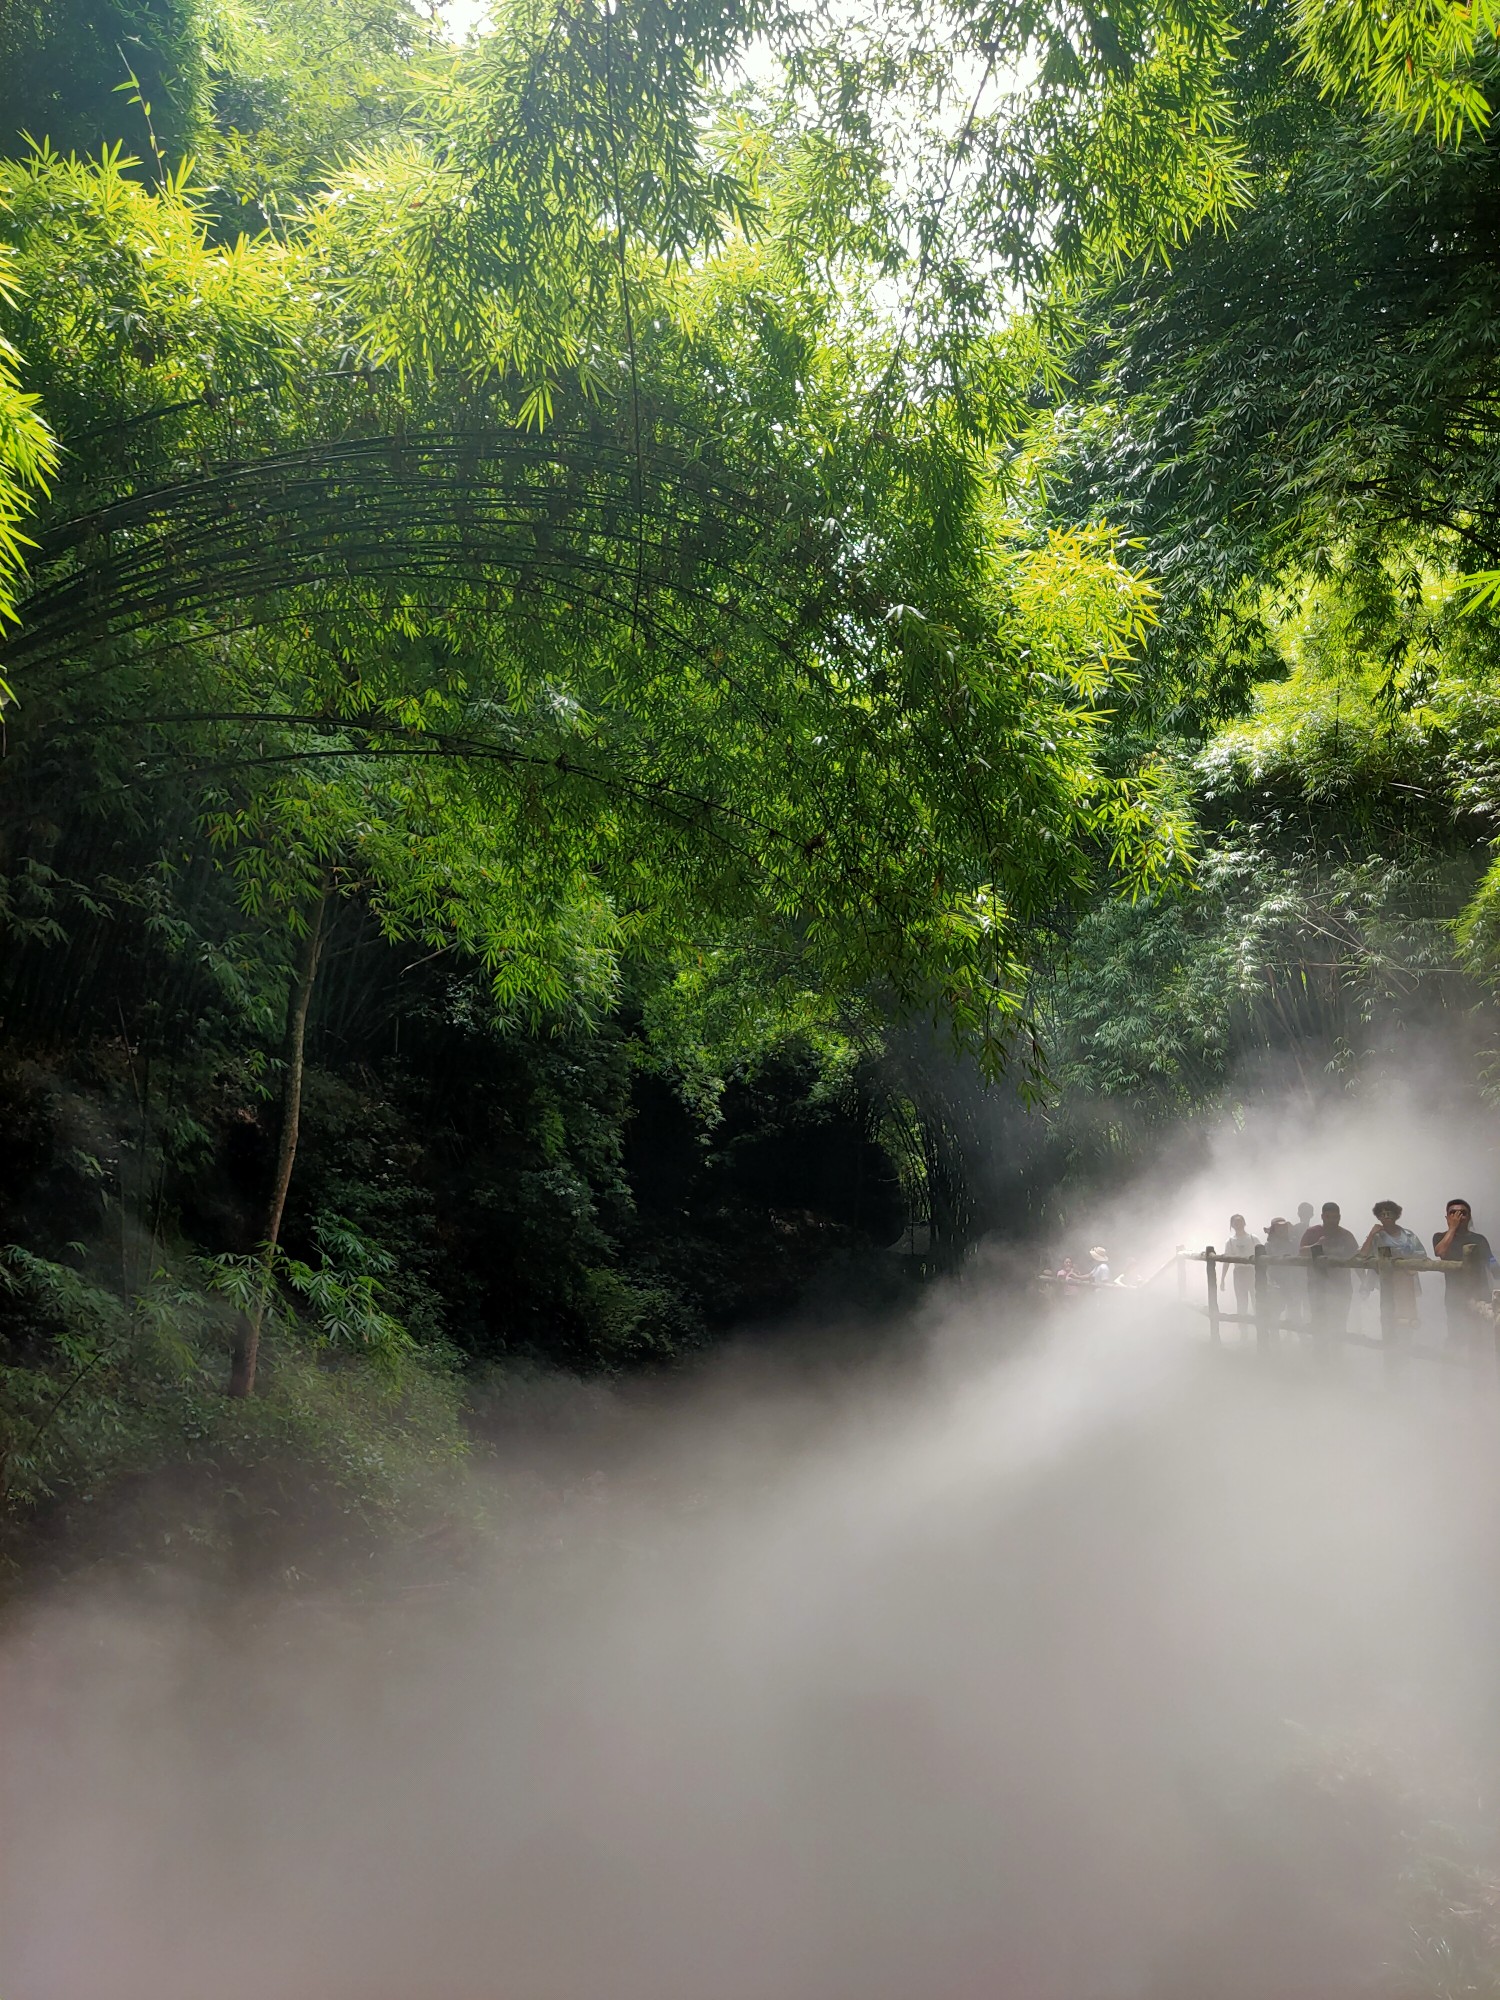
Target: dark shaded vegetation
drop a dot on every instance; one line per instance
(469, 1194)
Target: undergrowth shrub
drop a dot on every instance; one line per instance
(117, 1439)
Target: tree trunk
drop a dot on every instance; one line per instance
(298, 999)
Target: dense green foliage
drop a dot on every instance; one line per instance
(1297, 421)
(595, 610)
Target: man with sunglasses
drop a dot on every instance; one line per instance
(1467, 1287)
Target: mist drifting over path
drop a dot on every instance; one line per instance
(1070, 1662)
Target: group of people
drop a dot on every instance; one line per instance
(1328, 1246)
(1097, 1270)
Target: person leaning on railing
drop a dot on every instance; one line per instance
(1389, 1235)
(1331, 1239)
(1469, 1287)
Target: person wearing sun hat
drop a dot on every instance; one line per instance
(1099, 1258)
(1285, 1286)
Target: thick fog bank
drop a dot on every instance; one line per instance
(1104, 1669)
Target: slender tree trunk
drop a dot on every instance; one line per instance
(298, 999)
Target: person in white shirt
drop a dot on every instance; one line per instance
(1100, 1257)
(1239, 1243)
(1296, 1281)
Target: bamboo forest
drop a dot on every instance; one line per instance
(717, 717)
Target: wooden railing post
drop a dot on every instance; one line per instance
(1211, 1268)
(1265, 1311)
(1385, 1268)
(1317, 1298)
(1478, 1355)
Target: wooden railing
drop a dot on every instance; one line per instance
(1322, 1322)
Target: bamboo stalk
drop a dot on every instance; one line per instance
(299, 998)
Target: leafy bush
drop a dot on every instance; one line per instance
(111, 1401)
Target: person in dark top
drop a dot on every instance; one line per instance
(1388, 1234)
(1281, 1241)
(1469, 1287)
(1334, 1288)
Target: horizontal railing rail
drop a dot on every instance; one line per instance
(1316, 1305)
(1307, 1258)
(1300, 1296)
